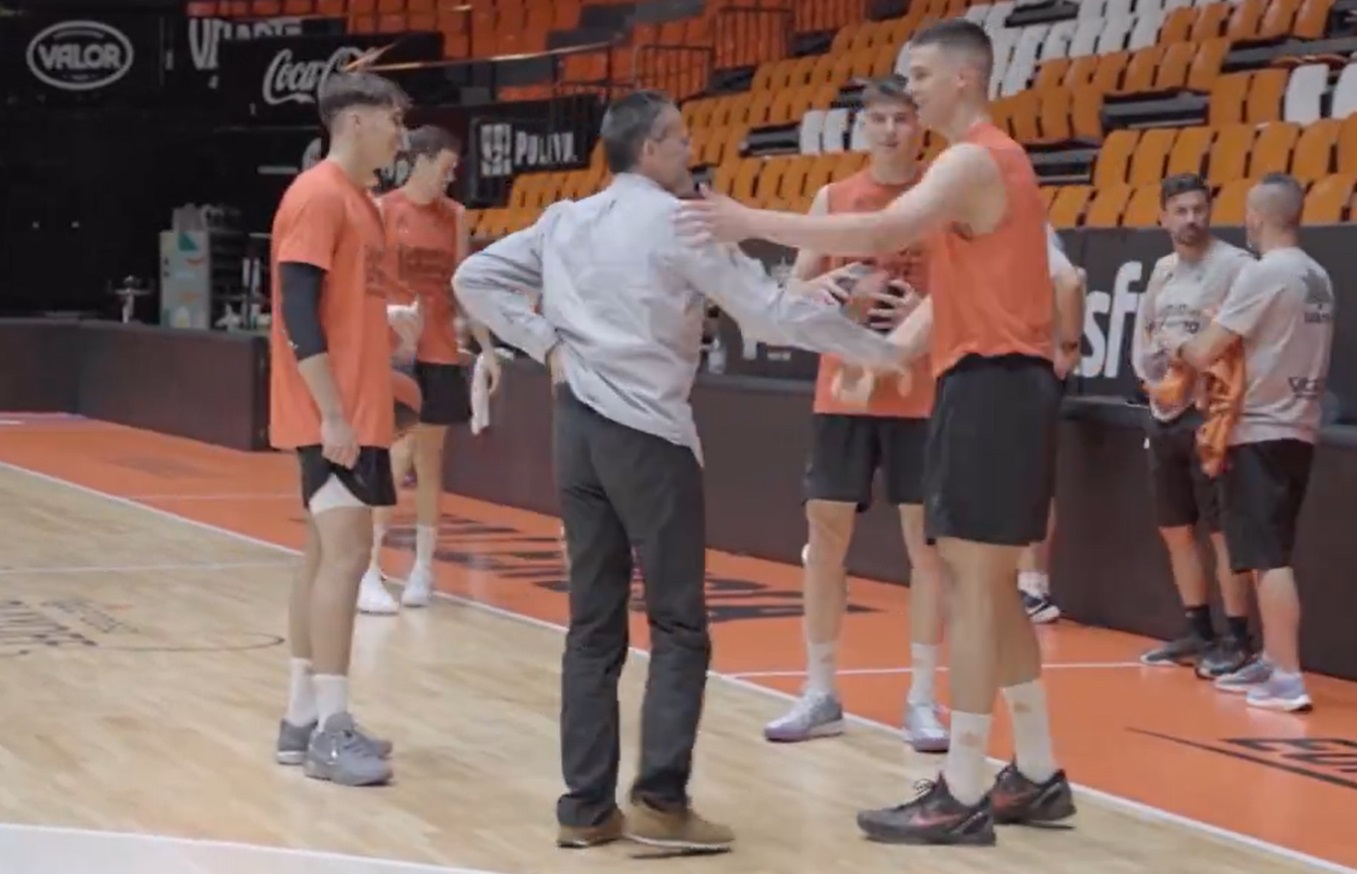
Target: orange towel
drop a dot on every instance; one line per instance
(1222, 402)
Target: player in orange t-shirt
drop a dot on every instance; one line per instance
(331, 401)
(854, 439)
(427, 237)
(989, 472)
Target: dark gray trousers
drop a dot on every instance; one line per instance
(621, 488)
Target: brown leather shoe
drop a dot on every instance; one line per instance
(582, 837)
(679, 829)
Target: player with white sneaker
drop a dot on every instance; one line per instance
(427, 237)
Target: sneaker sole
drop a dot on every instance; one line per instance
(1045, 616)
(285, 757)
(828, 729)
(689, 846)
(317, 772)
(983, 838)
(929, 745)
(1284, 705)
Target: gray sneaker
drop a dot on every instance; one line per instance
(1254, 673)
(924, 730)
(293, 741)
(815, 714)
(340, 754)
(1284, 692)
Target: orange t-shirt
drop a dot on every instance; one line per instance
(861, 193)
(327, 220)
(992, 293)
(425, 243)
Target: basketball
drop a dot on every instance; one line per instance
(408, 400)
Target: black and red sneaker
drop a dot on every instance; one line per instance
(934, 817)
(1019, 801)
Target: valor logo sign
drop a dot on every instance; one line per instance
(80, 55)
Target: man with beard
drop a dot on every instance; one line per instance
(1184, 292)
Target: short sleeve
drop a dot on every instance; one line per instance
(1247, 299)
(314, 227)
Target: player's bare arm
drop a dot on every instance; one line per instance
(954, 189)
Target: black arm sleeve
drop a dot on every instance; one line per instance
(301, 284)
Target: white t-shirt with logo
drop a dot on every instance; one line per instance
(1283, 307)
(1188, 292)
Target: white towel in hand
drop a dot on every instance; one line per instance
(480, 397)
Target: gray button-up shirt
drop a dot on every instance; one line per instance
(622, 295)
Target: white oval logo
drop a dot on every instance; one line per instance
(80, 55)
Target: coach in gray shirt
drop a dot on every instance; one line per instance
(620, 327)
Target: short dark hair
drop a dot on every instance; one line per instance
(341, 91)
(958, 34)
(1292, 204)
(430, 140)
(627, 124)
(888, 89)
(1182, 183)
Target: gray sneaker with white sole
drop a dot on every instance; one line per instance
(339, 754)
(293, 741)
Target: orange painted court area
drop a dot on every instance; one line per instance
(1153, 736)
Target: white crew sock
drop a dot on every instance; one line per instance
(965, 771)
(821, 666)
(923, 670)
(1034, 583)
(378, 537)
(426, 537)
(301, 696)
(332, 695)
(1031, 730)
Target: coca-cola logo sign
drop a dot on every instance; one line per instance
(289, 80)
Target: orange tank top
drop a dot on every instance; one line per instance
(861, 193)
(424, 241)
(993, 293)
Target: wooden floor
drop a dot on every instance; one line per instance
(143, 582)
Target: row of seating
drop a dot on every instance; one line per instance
(789, 182)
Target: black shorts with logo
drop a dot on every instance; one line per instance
(1262, 488)
(369, 480)
(989, 471)
(847, 450)
(447, 395)
(1183, 493)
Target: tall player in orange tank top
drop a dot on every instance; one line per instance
(853, 439)
(990, 466)
(427, 237)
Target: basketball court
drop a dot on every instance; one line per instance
(143, 588)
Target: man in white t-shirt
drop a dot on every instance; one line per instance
(1282, 309)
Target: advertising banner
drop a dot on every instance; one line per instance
(275, 79)
(194, 63)
(80, 59)
(506, 139)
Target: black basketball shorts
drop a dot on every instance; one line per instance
(847, 450)
(369, 480)
(1183, 493)
(447, 394)
(1262, 489)
(989, 466)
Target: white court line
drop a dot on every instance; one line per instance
(242, 496)
(1136, 807)
(375, 864)
(133, 568)
(871, 672)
